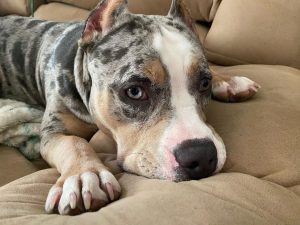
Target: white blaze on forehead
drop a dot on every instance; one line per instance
(176, 53)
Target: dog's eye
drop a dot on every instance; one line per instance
(205, 84)
(137, 93)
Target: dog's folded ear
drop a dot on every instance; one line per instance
(179, 10)
(102, 19)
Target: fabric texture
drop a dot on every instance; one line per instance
(225, 199)
(201, 10)
(14, 7)
(249, 32)
(61, 12)
(13, 165)
(19, 7)
(83, 4)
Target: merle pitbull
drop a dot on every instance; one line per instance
(141, 79)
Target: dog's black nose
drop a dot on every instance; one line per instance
(197, 158)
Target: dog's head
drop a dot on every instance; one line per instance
(150, 83)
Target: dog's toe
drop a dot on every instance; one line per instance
(237, 89)
(110, 184)
(71, 197)
(53, 198)
(93, 197)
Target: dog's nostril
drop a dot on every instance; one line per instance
(193, 165)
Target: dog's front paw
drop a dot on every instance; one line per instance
(236, 89)
(88, 191)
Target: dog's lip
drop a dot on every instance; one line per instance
(181, 176)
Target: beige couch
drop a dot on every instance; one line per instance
(260, 183)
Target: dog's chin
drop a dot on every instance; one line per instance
(178, 175)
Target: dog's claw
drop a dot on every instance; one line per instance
(87, 200)
(231, 91)
(110, 191)
(73, 200)
(253, 88)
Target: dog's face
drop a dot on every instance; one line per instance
(150, 84)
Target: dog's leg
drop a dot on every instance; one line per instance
(85, 183)
(232, 89)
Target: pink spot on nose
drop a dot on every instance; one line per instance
(179, 136)
(171, 161)
(169, 165)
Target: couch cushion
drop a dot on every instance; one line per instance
(136, 6)
(201, 31)
(223, 199)
(60, 12)
(13, 165)
(19, 7)
(84, 4)
(263, 32)
(202, 10)
(157, 7)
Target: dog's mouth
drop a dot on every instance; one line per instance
(182, 175)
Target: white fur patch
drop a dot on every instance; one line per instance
(176, 53)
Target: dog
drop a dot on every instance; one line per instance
(143, 80)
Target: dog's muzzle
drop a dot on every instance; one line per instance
(197, 158)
